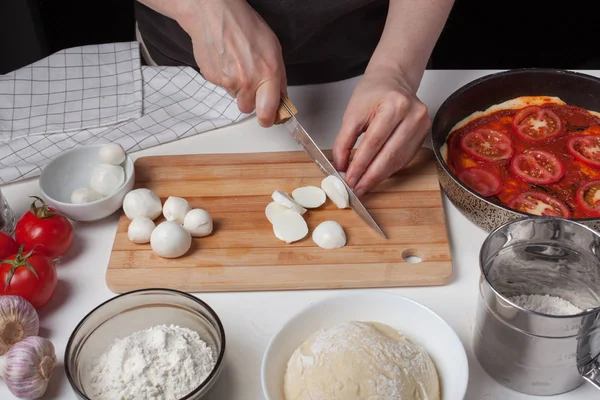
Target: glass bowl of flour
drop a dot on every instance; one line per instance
(158, 344)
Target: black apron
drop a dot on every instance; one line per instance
(322, 40)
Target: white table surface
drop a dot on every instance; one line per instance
(251, 318)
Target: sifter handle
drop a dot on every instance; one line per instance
(593, 376)
(282, 112)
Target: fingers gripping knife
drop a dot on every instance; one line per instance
(286, 116)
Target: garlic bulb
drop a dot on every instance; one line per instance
(18, 320)
(27, 367)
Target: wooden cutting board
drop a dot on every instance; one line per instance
(243, 254)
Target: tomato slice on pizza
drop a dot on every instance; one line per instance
(586, 149)
(487, 145)
(537, 166)
(484, 182)
(588, 198)
(535, 124)
(540, 203)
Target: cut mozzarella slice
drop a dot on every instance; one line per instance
(336, 191)
(289, 226)
(272, 209)
(285, 200)
(309, 196)
(329, 235)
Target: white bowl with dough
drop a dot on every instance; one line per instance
(71, 170)
(415, 321)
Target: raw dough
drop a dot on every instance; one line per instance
(360, 360)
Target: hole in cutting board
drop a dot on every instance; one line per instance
(411, 256)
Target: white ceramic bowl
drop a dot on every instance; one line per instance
(72, 170)
(415, 321)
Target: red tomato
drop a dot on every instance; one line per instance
(585, 149)
(31, 276)
(536, 124)
(487, 145)
(537, 166)
(484, 182)
(588, 198)
(44, 229)
(8, 246)
(540, 203)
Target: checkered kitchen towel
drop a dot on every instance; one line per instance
(138, 107)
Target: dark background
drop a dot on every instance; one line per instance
(479, 34)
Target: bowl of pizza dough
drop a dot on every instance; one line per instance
(364, 345)
(520, 143)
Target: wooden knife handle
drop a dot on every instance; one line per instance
(282, 113)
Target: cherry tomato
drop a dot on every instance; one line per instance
(487, 145)
(536, 124)
(540, 203)
(31, 276)
(585, 149)
(537, 166)
(44, 229)
(8, 246)
(484, 182)
(588, 198)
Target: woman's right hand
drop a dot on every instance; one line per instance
(236, 49)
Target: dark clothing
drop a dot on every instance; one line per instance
(322, 40)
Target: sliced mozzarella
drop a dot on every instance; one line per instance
(336, 191)
(273, 208)
(309, 196)
(285, 200)
(329, 235)
(289, 226)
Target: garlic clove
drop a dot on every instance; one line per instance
(329, 235)
(309, 196)
(170, 240)
(106, 178)
(142, 203)
(272, 209)
(175, 209)
(28, 367)
(18, 320)
(140, 229)
(198, 222)
(285, 200)
(85, 195)
(112, 153)
(289, 226)
(336, 191)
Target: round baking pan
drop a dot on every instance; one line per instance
(573, 88)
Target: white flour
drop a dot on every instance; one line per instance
(545, 304)
(161, 363)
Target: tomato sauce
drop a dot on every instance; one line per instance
(575, 122)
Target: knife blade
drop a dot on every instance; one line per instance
(286, 116)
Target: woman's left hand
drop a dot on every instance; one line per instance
(395, 122)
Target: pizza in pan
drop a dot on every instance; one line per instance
(534, 154)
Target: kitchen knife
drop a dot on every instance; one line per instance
(286, 116)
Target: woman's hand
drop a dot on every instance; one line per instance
(236, 49)
(395, 122)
